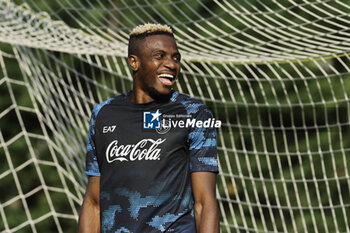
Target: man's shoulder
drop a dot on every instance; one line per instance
(110, 101)
(191, 104)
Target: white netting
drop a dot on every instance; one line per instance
(276, 73)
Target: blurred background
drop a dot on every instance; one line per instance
(275, 73)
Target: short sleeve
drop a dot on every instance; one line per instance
(202, 144)
(92, 167)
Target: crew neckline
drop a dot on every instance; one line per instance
(128, 99)
(151, 103)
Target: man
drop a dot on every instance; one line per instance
(145, 174)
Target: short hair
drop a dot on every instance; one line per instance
(142, 31)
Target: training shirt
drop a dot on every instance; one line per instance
(144, 156)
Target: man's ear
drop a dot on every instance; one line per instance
(134, 62)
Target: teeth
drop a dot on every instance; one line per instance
(166, 76)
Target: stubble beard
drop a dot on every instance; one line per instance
(156, 95)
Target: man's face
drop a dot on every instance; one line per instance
(159, 64)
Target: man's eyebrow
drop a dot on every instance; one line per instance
(158, 50)
(163, 51)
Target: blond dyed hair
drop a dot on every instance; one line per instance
(150, 28)
(140, 32)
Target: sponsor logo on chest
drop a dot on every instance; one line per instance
(108, 129)
(146, 149)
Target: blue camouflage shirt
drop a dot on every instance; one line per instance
(144, 155)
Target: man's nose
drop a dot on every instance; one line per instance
(170, 63)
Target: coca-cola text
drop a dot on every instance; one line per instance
(138, 151)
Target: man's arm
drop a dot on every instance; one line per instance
(89, 219)
(205, 205)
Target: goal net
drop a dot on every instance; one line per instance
(276, 73)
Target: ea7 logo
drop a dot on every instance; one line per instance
(108, 129)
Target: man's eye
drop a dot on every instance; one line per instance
(177, 58)
(158, 55)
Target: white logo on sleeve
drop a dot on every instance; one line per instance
(108, 129)
(146, 149)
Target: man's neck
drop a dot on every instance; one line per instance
(140, 97)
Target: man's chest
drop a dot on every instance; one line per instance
(126, 136)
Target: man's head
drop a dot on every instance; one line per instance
(154, 58)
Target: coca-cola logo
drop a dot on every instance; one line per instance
(146, 149)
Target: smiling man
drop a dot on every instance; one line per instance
(145, 177)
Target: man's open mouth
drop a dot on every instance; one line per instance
(167, 79)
